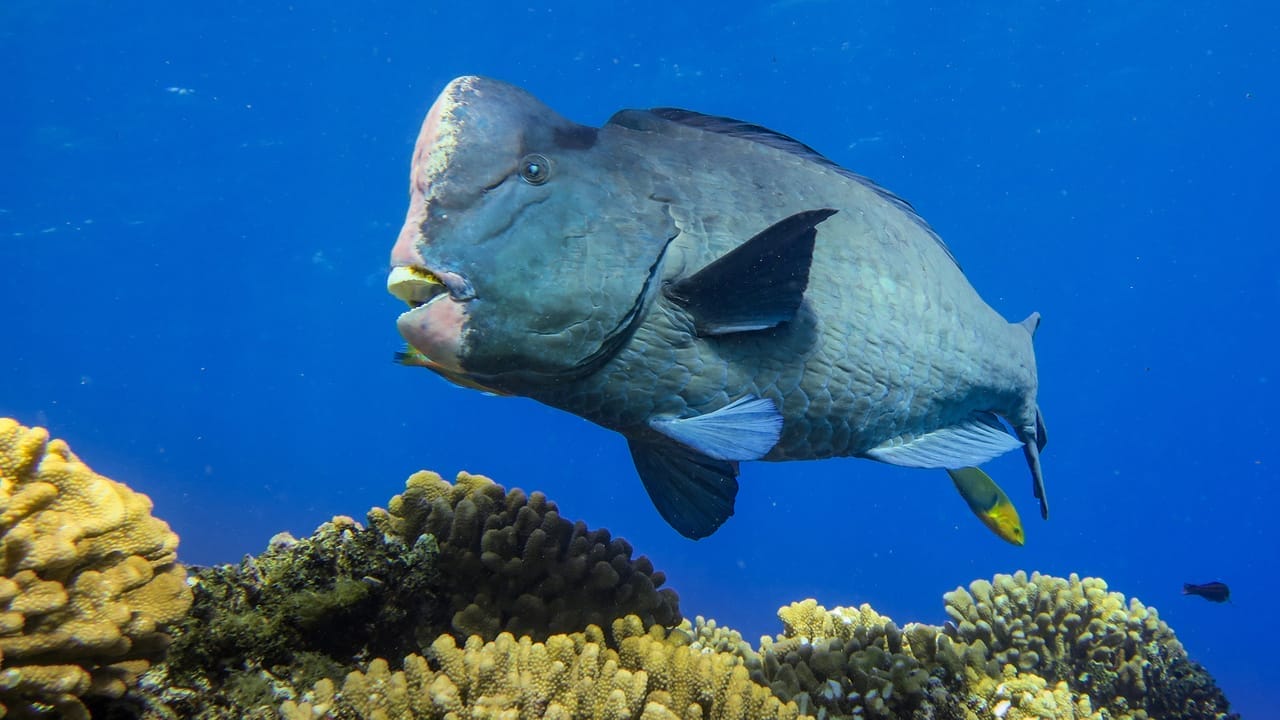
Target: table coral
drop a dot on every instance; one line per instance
(89, 580)
(653, 675)
(515, 565)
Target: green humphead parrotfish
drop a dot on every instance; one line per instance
(714, 291)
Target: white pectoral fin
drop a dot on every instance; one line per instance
(972, 442)
(745, 429)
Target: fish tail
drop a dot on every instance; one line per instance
(1031, 452)
(1029, 422)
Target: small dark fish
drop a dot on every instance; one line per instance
(1213, 592)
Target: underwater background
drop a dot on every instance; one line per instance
(198, 201)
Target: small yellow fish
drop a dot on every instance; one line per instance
(989, 503)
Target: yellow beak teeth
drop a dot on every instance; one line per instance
(413, 285)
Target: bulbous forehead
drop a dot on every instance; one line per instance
(475, 133)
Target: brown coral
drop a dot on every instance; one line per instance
(652, 675)
(88, 579)
(515, 565)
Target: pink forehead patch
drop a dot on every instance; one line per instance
(430, 155)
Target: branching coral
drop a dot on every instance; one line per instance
(852, 662)
(515, 565)
(491, 605)
(810, 620)
(89, 579)
(1073, 630)
(1042, 647)
(1023, 696)
(653, 675)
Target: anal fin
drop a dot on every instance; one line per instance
(973, 442)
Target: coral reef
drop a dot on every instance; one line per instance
(653, 675)
(465, 558)
(89, 580)
(300, 611)
(855, 662)
(468, 600)
(516, 566)
(1120, 655)
(1018, 647)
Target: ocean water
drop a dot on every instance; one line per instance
(197, 202)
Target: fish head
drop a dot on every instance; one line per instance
(1003, 520)
(528, 251)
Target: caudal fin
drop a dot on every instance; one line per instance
(1031, 451)
(1034, 437)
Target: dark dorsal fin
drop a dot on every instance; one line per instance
(786, 143)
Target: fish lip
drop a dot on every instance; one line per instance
(436, 328)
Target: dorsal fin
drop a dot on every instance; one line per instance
(772, 138)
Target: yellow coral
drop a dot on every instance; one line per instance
(809, 619)
(88, 578)
(1071, 630)
(1025, 696)
(653, 675)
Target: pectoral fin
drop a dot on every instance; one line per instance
(758, 284)
(745, 429)
(692, 492)
(973, 442)
(989, 503)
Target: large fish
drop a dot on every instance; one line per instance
(712, 290)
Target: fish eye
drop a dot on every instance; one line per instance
(535, 169)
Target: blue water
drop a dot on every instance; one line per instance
(197, 202)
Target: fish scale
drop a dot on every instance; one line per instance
(842, 312)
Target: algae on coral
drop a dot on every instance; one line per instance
(494, 561)
(301, 611)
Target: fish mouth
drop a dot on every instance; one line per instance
(415, 285)
(418, 285)
(437, 315)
